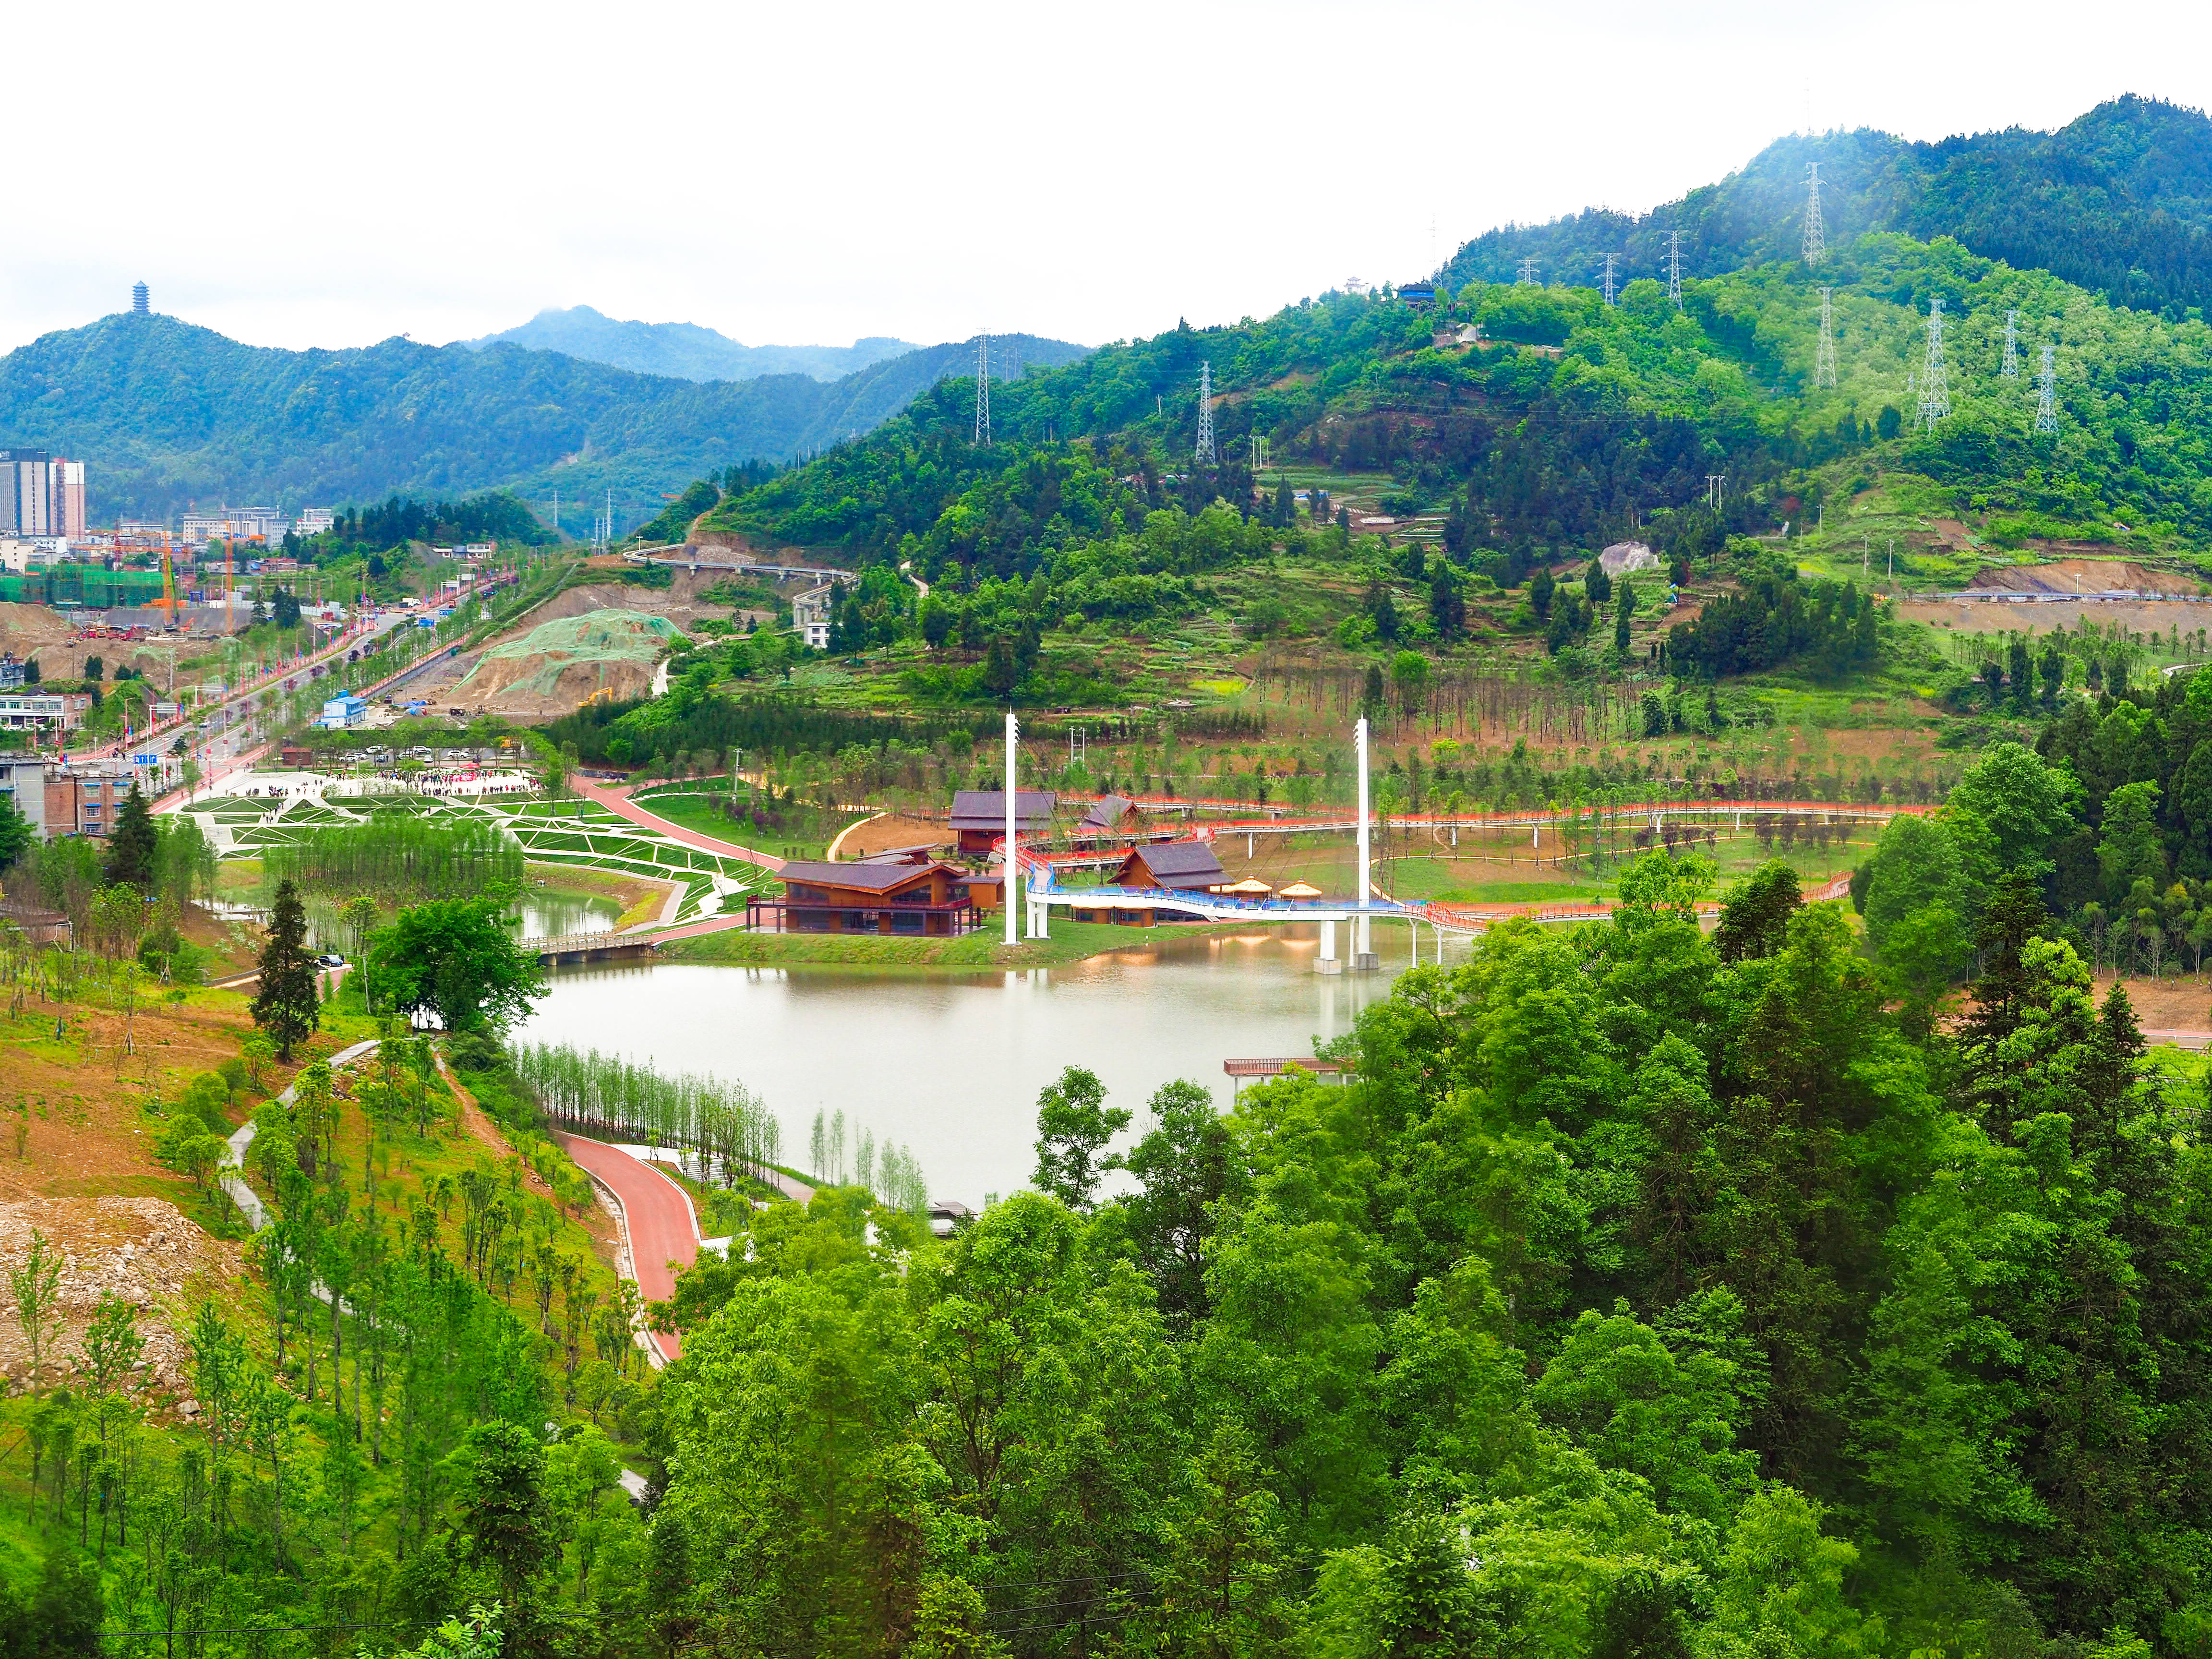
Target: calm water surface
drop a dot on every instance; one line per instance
(950, 1064)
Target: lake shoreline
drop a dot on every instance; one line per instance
(1070, 941)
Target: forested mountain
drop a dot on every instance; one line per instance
(685, 351)
(2119, 202)
(1572, 425)
(166, 414)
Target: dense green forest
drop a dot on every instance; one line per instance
(1570, 423)
(1649, 1291)
(2118, 201)
(168, 414)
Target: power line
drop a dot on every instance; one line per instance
(2011, 370)
(2046, 391)
(1611, 260)
(1934, 391)
(1205, 451)
(1815, 245)
(1674, 268)
(1824, 356)
(984, 389)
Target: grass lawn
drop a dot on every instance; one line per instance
(1070, 941)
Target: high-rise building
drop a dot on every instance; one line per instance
(141, 300)
(39, 495)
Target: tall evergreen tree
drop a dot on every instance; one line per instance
(132, 844)
(286, 1008)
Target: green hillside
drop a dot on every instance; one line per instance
(2119, 202)
(168, 414)
(1572, 424)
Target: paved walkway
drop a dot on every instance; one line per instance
(659, 1224)
(620, 804)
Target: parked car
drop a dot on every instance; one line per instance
(330, 959)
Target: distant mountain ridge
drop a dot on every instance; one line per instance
(166, 413)
(685, 351)
(2118, 201)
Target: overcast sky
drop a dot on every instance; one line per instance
(330, 175)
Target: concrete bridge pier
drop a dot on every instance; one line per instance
(1328, 962)
(1364, 959)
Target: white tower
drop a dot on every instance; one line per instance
(1824, 357)
(2046, 391)
(1674, 268)
(1205, 453)
(1935, 389)
(1815, 247)
(1527, 277)
(2011, 370)
(1364, 959)
(1611, 261)
(1010, 869)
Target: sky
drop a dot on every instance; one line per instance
(334, 175)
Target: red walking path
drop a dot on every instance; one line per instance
(616, 801)
(658, 1214)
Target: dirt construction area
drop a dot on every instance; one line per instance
(142, 1250)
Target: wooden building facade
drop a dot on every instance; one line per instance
(915, 900)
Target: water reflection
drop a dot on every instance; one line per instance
(950, 1063)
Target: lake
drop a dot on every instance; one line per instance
(950, 1064)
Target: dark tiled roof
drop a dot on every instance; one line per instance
(986, 809)
(1106, 812)
(869, 877)
(1181, 863)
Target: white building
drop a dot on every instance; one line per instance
(313, 520)
(809, 614)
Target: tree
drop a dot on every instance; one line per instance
(286, 1006)
(1184, 1167)
(132, 845)
(112, 1342)
(1597, 587)
(1622, 612)
(2131, 848)
(1074, 1123)
(2026, 804)
(503, 1509)
(1755, 916)
(454, 959)
(17, 836)
(37, 1284)
(1409, 677)
(1540, 588)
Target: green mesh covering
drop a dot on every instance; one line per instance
(598, 636)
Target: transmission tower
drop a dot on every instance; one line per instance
(1528, 277)
(1815, 248)
(1205, 453)
(2046, 391)
(2011, 370)
(1715, 481)
(1611, 260)
(1824, 357)
(1934, 390)
(984, 389)
(1674, 268)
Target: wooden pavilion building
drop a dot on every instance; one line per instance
(929, 899)
(978, 816)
